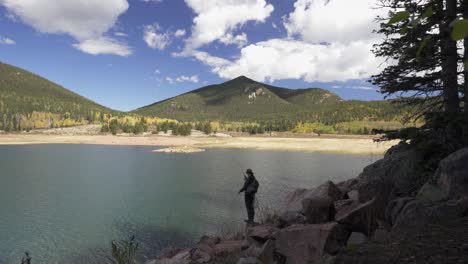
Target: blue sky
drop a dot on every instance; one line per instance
(127, 54)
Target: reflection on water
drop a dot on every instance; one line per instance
(65, 203)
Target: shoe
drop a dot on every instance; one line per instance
(249, 221)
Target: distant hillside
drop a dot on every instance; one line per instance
(30, 101)
(243, 99)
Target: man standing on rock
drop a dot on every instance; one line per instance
(250, 188)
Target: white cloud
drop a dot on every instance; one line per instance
(170, 80)
(355, 87)
(183, 78)
(292, 59)
(333, 21)
(7, 41)
(103, 45)
(180, 33)
(217, 18)
(345, 26)
(86, 21)
(157, 71)
(120, 34)
(152, 1)
(239, 40)
(156, 39)
(210, 60)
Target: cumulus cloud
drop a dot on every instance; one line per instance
(217, 18)
(292, 59)
(341, 21)
(120, 34)
(180, 33)
(327, 41)
(86, 21)
(155, 37)
(170, 80)
(363, 87)
(239, 40)
(7, 41)
(183, 78)
(103, 45)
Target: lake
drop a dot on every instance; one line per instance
(65, 203)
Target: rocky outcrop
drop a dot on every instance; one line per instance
(208, 250)
(327, 190)
(394, 209)
(346, 187)
(261, 233)
(319, 225)
(307, 243)
(358, 217)
(452, 174)
(311, 206)
(397, 174)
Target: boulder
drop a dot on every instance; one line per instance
(394, 208)
(318, 210)
(263, 252)
(327, 190)
(307, 243)
(418, 211)
(249, 260)
(346, 186)
(356, 239)
(353, 195)
(200, 256)
(358, 217)
(396, 175)
(209, 241)
(415, 212)
(229, 247)
(432, 192)
(290, 218)
(293, 200)
(451, 209)
(452, 174)
(267, 252)
(343, 203)
(261, 233)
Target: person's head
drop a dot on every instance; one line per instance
(249, 172)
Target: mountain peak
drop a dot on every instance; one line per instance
(243, 78)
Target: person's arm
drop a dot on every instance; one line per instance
(247, 182)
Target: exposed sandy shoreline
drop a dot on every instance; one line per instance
(337, 144)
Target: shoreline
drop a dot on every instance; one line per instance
(328, 143)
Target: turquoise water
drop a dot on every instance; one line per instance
(65, 203)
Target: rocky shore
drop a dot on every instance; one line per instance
(390, 213)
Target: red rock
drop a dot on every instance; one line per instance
(327, 190)
(307, 243)
(358, 217)
(261, 233)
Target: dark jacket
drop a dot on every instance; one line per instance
(247, 181)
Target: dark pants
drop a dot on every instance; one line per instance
(249, 204)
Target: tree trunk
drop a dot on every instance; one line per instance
(449, 60)
(465, 58)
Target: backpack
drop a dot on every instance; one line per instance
(253, 187)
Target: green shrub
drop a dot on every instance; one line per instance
(124, 251)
